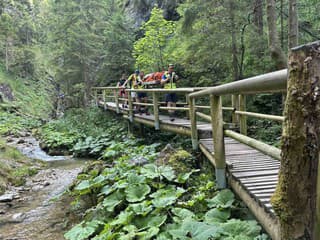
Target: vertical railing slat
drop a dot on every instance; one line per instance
(243, 119)
(218, 140)
(130, 107)
(156, 110)
(193, 120)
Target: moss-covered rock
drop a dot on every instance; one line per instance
(179, 159)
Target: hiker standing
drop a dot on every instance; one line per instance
(169, 79)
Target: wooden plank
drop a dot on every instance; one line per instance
(261, 184)
(261, 187)
(253, 169)
(248, 180)
(263, 191)
(256, 173)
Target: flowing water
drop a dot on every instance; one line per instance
(36, 211)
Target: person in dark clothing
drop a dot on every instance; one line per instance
(122, 92)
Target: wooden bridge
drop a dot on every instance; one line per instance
(250, 167)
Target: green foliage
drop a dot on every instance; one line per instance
(11, 124)
(148, 202)
(149, 51)
(90, 139)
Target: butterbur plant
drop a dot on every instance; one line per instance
(152, 202)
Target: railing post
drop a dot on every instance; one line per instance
(187, 101)
(193, 120)
(130, 107)
(235, 105)
(218, 140)
(117, 100)
(96, 96)
(156, 110)
(104, 99)
(243, 119)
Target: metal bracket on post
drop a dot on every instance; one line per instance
(221, 178)
(156, 111)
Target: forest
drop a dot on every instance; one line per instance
(118, 185)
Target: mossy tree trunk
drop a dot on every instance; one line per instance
(295, 198)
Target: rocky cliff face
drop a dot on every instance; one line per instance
(139, 10)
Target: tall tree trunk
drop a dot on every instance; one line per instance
(87, 84)
(293, 24)
(258, 16)
(276, 52)
(7, 54)
(281, 24)
(295, 198)
(235, 62)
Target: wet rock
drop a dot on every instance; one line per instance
(18, 218)
(138, 161)
(46, 183)
(7, 197)
(21, 141)
(10, 140)
(37, 187)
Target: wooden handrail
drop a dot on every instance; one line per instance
(270, 82)
(162, 90)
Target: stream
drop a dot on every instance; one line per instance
(35, 211)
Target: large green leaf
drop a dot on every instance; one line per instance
(166, 197)
(107, 189)
(134, 179)
(183, 177)
(83, 230)
(196, 231)
(83, 185)
(235, 227)
(167, 172)
(113, 200)
(123, 218)
(142, 208)
(217, 215)
(150, 171)
(148, 234)
(182, 214)
(224, 199)
(137, 193)
(151, 220)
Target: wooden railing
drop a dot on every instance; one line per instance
(267, 83)
(271, 82)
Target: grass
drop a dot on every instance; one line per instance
(14, 167)
(32, 98)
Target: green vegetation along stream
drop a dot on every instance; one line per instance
(137, 189)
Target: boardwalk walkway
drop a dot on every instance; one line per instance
(252, 174)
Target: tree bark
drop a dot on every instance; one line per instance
(7, 55)
(295, 198)
(235, 62)
(293, 24)
(276, 52)
(258, 16)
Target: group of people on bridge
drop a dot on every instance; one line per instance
(138, 80)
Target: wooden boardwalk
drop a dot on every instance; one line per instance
(252, 174)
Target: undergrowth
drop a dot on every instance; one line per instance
(32, 98)
(151, 201)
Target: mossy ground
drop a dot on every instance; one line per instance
(14, 167)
